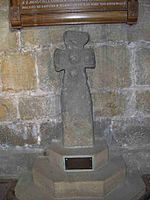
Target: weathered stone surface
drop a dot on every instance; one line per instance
(112, 68)
(133, 188)
(99, 182)
(102, 130)
(8, 110)
(18, 72)
(144, 2)
(49, 132)
(107, 32)
(76, 99)
(90, 184)
(48, 78)
(143, 102)
(132, 132)
(56, 152)
(109, 104)
(8, 39)
(26, 189)
(41, 107)
(143, 66)
(3, 4)
(37, 37)
(18, 134)
(41, 175)
(138, 159)
(14, 162)
(44, 37)
(141, 31)
(57, 32)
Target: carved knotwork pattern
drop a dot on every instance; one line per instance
(15, 13)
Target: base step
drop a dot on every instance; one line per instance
(131, 189)
(97, 183)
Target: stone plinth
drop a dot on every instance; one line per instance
(99, 153)
(108, 181)
(84, 183)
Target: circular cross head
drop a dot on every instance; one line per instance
(73, 39)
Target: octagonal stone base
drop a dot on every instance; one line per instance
(107, 179)
(95, 183)
(132, 188)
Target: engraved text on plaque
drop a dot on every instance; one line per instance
(25, 13)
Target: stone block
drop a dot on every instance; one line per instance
(98, 183)
(143, 102)
(138, 159)
(131, 132)
(41, 107)
(56, 154)
(109, 104)
(144, 1)
(41, 175)
(49, 132)
(142, 65)
(141, 30)
(107, 32)
(18, 72)
(102, 129)
(112, 68)
(49, 79)
(4, 4)
(35, 37)
(44, 37)
(27, 190)
(8, 110)
(18, 134)
(8, 39)
(14, 162)
(132, 188)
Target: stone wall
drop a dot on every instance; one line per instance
(30, 111)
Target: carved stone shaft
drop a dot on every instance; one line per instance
(76, 99)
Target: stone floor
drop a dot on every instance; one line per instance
(7, 189)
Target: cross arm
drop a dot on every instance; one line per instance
(89, 60)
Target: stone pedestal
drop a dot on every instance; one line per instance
(80, 168)
(107, 180)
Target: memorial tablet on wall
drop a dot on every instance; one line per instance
(29, 13)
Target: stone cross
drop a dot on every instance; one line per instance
(76, 101)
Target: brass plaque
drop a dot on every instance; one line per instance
(78, 163)
(25, 13)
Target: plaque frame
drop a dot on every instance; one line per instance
(30, 13)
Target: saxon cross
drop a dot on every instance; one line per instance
(76, 101)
